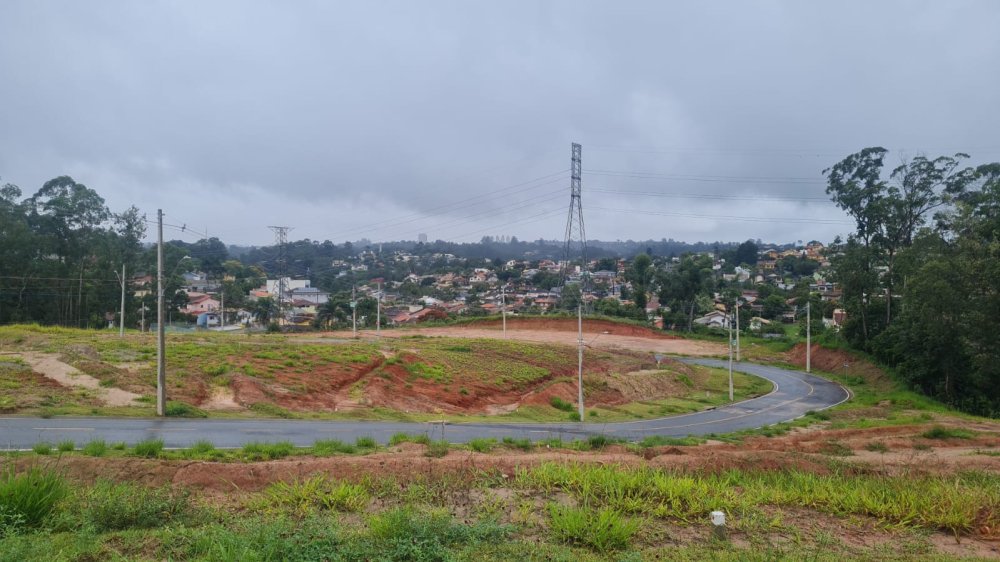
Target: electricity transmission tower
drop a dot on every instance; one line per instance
(576, 235)
(280, 240)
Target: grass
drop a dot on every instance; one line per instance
(326, 447)
(42, 448)
(66, 446)
(482, 444)
(603, 530)
(560, 404)
(27, 498)
(567, 512)
(399, 438)
(177, 409)
(438, 448)
(941, 432)
(95, 448)
(149, 448)
(662, 441)
(267, 451)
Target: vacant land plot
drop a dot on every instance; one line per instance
(408, 376)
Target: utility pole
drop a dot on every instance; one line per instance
(378, 311)
(161, 358)
(354, 312)
(503, 308)
(808, 339)
(222, 304)
(737, 331)
(579, 379)
(730, 359)
(121, 320)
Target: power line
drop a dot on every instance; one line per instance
(711, 196)
(725, 217)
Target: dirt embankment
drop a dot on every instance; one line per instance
(570, 325)
(840, 362)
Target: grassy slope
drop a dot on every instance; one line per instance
(199, 363)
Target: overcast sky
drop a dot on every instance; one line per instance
(389, 119)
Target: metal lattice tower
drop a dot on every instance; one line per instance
(576, 235)
(280, 240)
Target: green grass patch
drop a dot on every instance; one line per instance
(941, 432)
(663, 441)
(603, 530)
(398, 438)
(325, 447)
(267, 451)
(271, 410)
(178, 409)
(95, 448)
(482, 444)
(42, 448)
(110, 506)
(150, 448)
(27, 498)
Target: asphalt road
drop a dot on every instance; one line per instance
(795, 393)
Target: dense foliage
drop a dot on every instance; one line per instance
(921, 273)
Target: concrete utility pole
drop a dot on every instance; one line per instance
(222, 304)
(808, 339)
(579, 381)
(730, 359)
(161, 359)
(737, 330)
(121, 320)
(503, 308)
(378, 311)
(354, 313)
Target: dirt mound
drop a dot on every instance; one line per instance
(570, 325)
(840, 362)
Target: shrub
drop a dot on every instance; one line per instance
(398, 438)
(663, 440)
(365, 442)
(110, 506)
(940, 432)
(332, 446)
(95, 448)
(560, 404)
(202, 447)
(437, 448)
(523, 443)
(66, 446)
(599, 441)
(603, 530)
(268, 451)
(149, 448)
(482, 444)
(178, 409)
(573, 416)
(42, 448)
(270, 410)
(26, 499)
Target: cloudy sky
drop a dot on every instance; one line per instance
(698, 120)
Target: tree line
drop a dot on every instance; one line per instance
(921, 272)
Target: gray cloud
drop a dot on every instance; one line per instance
(383, 119)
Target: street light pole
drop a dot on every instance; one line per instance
(503, 309)
(161, 360)
(579, 381)
(737, 330)
(730, 359)
(808, 338)
(121, 320)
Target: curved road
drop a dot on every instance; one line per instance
(794, 394)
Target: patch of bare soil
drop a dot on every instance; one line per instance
(840, 362)
(594, 335)
(51, 367)
(221, 399)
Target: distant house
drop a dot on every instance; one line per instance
(200, 302)
(309, 294)
(714, 319)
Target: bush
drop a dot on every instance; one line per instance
(398, 438)
(95, 448)
(599, 441)
(268, 451)
(42, 448)
(112, 506)
(270, 410)
(482, 444)
(26, 499)
(603, 530)
(437, 448)
(940, 432)
(177, 409)
(365, 442)
(66, 446)
(149, 448)
(202, 447)
(332, 446)
(560, 404)
(523, 443)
